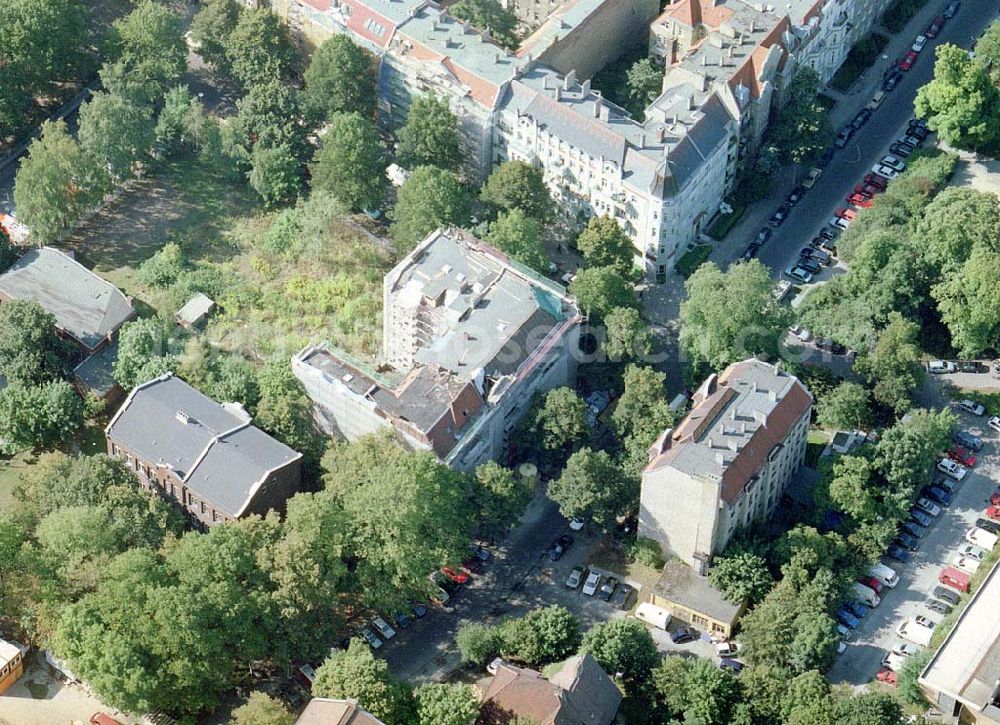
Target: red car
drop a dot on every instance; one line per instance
(459, 577)
(877, 181)
(473, 565)
(995, 498)
(848, 214)
(993, 512)
(960, 455)
(934, 28)
(952, 577)
(872, 582)
(861, 200)
(887, 676)
(866, 189)
(907, 62)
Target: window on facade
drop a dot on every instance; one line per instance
(698, 619)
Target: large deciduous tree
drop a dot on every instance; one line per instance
(341, 78)
(954, 223)
(38, 416)
(116, 131)
(489, 15)
(276, 174)
(356, 674)
(969, 302)
(259, 48)
(605, 244)
(519, 235)
(730, 316)
(446, 704)
(31, 351)
(55, 183)
(593, 486)
(500, 497)
(261, 709)
(846, 406)
(142, 353)
(430, 198)
(149, 43)
(559, 420)
(741, 577)
(623, 646)
(599, 290)
(351, 162)
(799, 130)
(893, 364)
(626, 335)
(210, 29)
(642, 412)
(518, 185)
(644, 80)
(430, 135)
(961, 104)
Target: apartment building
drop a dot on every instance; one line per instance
(470, 337)
(203, 455)
(662, 179)
(726, 463)
(824, 31)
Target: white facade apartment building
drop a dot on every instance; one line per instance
(470, 338)
(660, 179)
(726, 463)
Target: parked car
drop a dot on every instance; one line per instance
(952, 469)
(901, 149)
(938, 495)
(779, 216)
(763, 235)
(994, 422)
(872, 583)
(935, 27)
(917, 630)
(607, 588)
(972, 551)
(892, 79)
(576, 524)
(904, 649)
(683, 635)
(875, 180)
(937, 606)
(907, 140)
(800, 333)
(884, 171)
(964, 563)
(830, 233)
(971, 406)
(839, 222)
(809, 264)
(575, 577)
(843, 136)
(383, 628)
(928, 506)
(750, 252)
(995, 498)
(981, 537)
(845, 617)
(970, 441)
(918, 43)
(473, 565)
(555, 551)
(818, 254)
(940, 367)
(952, 577)
(859, 200)
(731, 665)
(946, 595)
(419, 610)
(456, 575)
(893, 661)
(826, 158)
(795, 196)
(920, 517)
(993, 513)
(919, 132)
(907, 61)
(368, 636)
(907, 541)
(810, 180)
(913, 529)
(481, 552)
(898, 553)
(960, 455)
(887, 676)
(621, 596)
(858, 609)
(402, 620)
(952, 9)
(798, 274)
(893, 162)
(590, 586)
(876, 101)
(825, 343)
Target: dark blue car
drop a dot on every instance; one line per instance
(907, 541)
(968, 440)
(898, 553)
(939, 494)
(847, 619)
(858, 609)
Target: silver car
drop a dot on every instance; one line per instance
(383, 628)
(590, 586)
(573, 580)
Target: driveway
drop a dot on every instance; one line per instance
(917, 579)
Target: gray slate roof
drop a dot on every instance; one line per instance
(195, 309)
(679, 583)
(86, 307)
(215, 451)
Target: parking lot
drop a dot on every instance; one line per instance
(917, 578)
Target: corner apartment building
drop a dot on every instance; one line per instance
(203, 455)
(470, 337)
(662, 179)
(726, 463)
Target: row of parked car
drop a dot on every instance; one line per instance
(606, 587)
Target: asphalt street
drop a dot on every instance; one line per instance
(917, 578)
(850, 164)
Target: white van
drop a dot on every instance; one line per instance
(885, 574)
(866, 594)
(653, 615)
(981, 537)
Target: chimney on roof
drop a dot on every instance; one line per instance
(585, 86)
(569, 80)
(661, 445)
(597, 107)
(466, 28)
(772, 395)
(605, 111)
(711, 384)
(721, 459)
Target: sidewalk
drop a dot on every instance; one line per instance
(787, 178)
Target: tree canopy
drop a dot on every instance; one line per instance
(605, 244)
(356, 673)
(519, 235)
(259, 49)
(961, 104)
(491, 16)
(518, 185)
(341, 78)
(593, 486)
(142, 353)
(799, 130)
(560, 419)
(429, 136)
(430, 198)
(846, 406)
(351, 162)
(38, 416)
(31, 350)
(599, 290)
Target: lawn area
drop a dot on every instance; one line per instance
(693, 259)
(816, 441)
(860, 59)
(720, 227)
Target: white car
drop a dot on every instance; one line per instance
(994, 422)
(799, 274)
(965, 563)
(885, 171)
(916, 631)
(928, 506)
(940, 367)
(893, 162)
(904, 649)
(577, 524)
(839, 222)
(383, 628)
(918, 43)
(952, 469)
(971, 406)
(800, 332)
(971, 551)
(590, 586)
(494, 665)
(893, 661)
